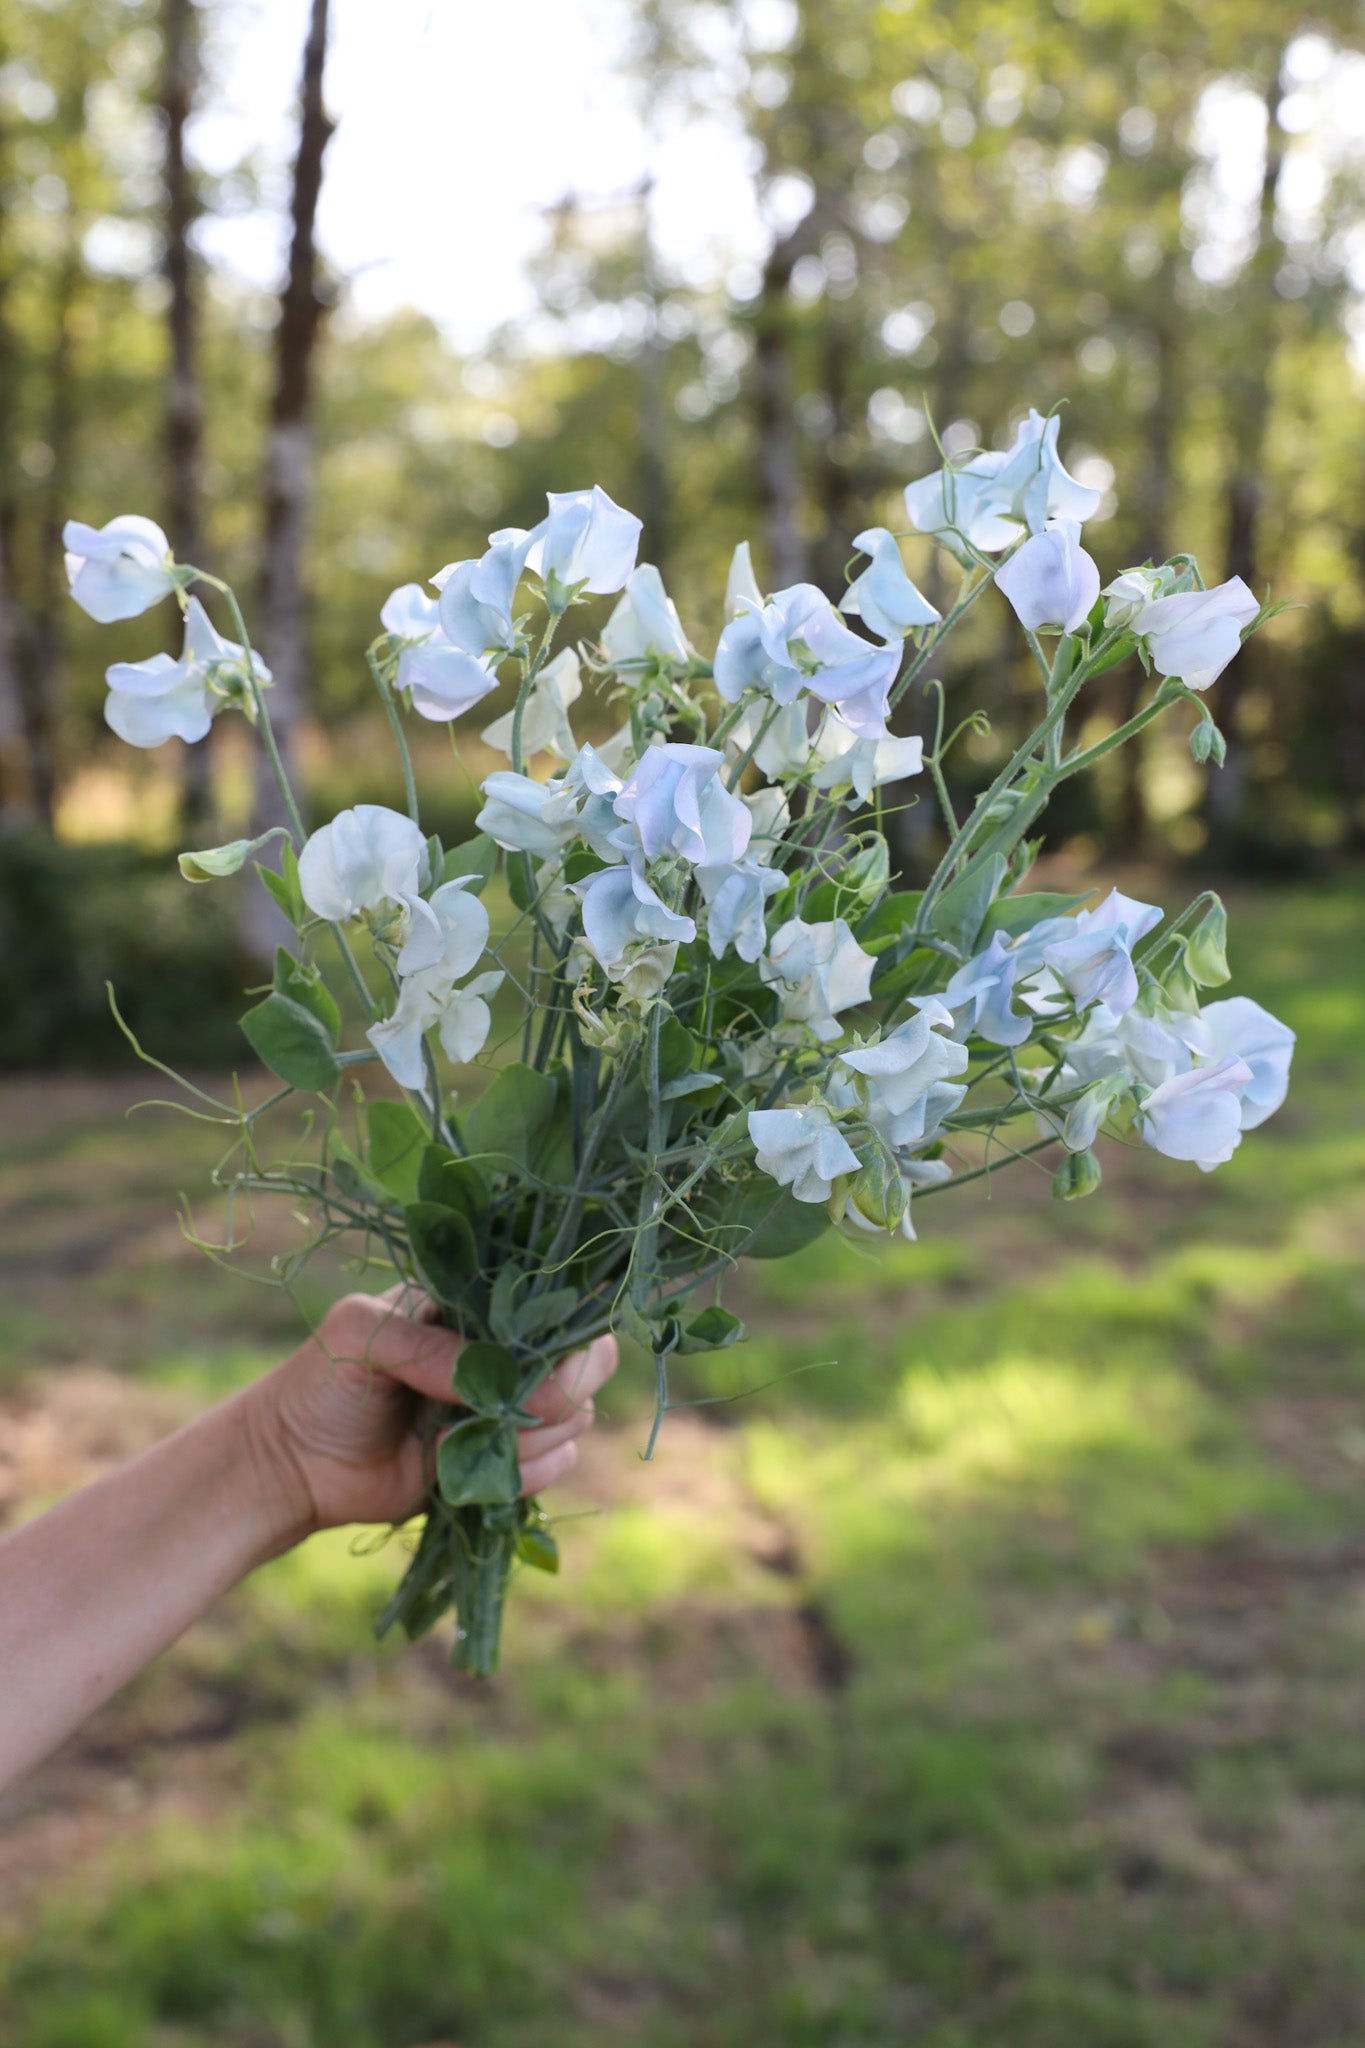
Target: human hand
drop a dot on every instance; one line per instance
(336, 1425)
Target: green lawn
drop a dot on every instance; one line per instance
(997, 1683)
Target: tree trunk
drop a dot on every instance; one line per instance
(779, 457)
(288, 446)
(288, 461)
(1153, 543)
(1248, 415)
(184, 405)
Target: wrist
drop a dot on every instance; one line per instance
(283, 1510)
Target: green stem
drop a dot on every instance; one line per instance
(386, 697)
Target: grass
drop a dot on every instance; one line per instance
(997, 1681)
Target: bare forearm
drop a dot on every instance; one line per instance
(94, 1590)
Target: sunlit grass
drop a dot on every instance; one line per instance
(982, 1671)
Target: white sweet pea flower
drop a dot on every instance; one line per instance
(784, 745)
(1238, 1028)
(817, 970)
(1051, 581)
(1148, 1047)
(618, 753)
(430, 999)
(798, 642)
(1194, 634)
(735, 894)
(367, 859)
(477, 596)
(544, 722)
(905, 1072)
(1130, 594)
(676, 803)
(771, 814)
(525, 816)
(851, 763)
(883, 597)
(742, 593)
(443, 680)
(450, 933)
(621, 910)
(585, 543)
(162, 698)
(645, 625)
(998, 496)
(981, 996)
(1091, 954)
(119, 570)
(1198, 1115)
(802, 1149)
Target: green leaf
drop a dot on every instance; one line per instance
(581, 863)
(292, 1043)
(891, 919)
(679, 1051)
(960, 911)
(443, 1246)
(758, 1220)
(1120, 651)
(487, 1378)
(476, 1464)
(510, 1120)
(1015, 914)
(544, 1312)
(537, 1547)
(521, 880)
(398, 1138)
(894, 982)
(284, 886)
(478, 857)
(214, 862)
(454, 1183)
(688, 1084)
(715, 1329)
(303, 984)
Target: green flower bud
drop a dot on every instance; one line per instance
(1077, 1176)
(1208, 744)
(1206, 960)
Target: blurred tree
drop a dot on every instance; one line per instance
(288, 461)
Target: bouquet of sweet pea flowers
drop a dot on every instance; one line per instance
(731, 1030)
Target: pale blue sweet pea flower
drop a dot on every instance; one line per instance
(998, 496)
(981, 996)
(1091, 954)
(1240, 1028)
(676, 803)
(798, 642)
(645, 624)
(1051, 581)
(852, 763)
(585, 543)
(1198, 1115)
(120, 570)
(478, 595)
(903, 1073)
(166, 698)
(802, 1149)
(817, 970)
(735, 893)
(742, 593)
(621, 909)
(883, 597)
(545, 725)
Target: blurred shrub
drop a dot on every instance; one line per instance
(75, 917)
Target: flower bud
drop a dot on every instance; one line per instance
(1077, 1176)
(1208, 744)
(1206, 960)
